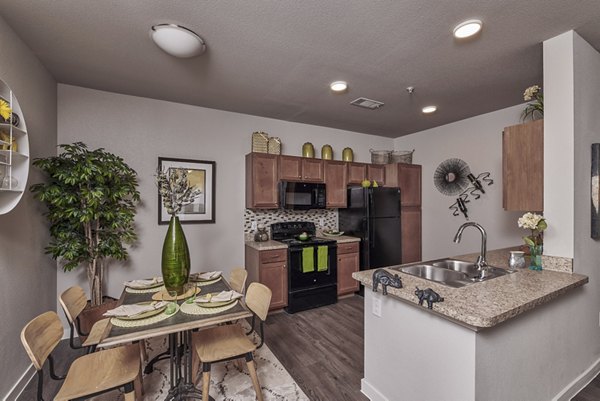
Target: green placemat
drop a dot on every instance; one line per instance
(142, 322)
(196, 309)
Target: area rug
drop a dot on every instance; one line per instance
(227, 382)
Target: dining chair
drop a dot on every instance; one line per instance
(89, 375)
(237, 279)
(230, 342)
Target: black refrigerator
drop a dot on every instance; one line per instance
(373, 215)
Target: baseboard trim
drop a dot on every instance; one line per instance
(579, 383)
(371, 392)
(20, 385)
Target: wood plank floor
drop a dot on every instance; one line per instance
(322, 349)
(591, 392)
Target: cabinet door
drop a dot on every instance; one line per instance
(357, 173)
(391, 175)
(336, 181)
(411, 234)
(261, 181)
(290, 168)
(312, 170)
(523, 167)
(376, 172)
(409, 181)
(274, 276)
(347, 264)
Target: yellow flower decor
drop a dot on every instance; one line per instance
(5, 110)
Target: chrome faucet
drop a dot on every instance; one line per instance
(481, 262)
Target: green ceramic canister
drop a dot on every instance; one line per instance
(308, 150)
(327, 152)
(347, 155)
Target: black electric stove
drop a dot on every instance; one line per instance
(311, 284)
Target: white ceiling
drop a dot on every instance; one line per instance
(276, 58)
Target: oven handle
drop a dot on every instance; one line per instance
(299, 249)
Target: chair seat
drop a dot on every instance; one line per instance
(100, 371)
(96, 333)
(222, 342)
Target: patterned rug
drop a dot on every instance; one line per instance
(227, 382)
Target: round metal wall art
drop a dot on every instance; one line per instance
(451, 176)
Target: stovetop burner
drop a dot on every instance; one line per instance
(312, 241)
(288, 231)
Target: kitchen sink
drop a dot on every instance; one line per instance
(450, 272)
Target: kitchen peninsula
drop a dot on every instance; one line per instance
(478, 344)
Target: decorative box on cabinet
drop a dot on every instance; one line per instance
(336, 181)
(348, 263)
(523, 167)
(270, 269)
(293, 168)
(261, 181)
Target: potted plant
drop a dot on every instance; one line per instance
(90, 197)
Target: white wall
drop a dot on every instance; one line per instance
(478, 141)
(140, 130)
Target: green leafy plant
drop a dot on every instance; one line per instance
(535, 108)
(91, 196)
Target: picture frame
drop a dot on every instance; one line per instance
(203, 174)
(595, 192)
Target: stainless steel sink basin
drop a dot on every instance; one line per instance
(450, 272)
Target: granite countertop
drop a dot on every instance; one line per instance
(488, 303)
(272, 245)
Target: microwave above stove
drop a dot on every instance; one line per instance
(302, 195)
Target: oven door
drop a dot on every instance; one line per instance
(302, 195)
(297, 280)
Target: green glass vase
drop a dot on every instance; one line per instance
(535, 262)
(175, 264)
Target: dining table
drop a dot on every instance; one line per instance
(178, 327)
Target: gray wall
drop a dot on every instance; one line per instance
(28, 284)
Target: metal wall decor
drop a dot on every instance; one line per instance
(595, 191)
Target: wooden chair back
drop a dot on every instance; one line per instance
(40, 336)
(237, 279)
(258, 299)
(73, 301)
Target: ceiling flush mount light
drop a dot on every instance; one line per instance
(338, 86)
(429, 109)
(177, 40)
(467, 28)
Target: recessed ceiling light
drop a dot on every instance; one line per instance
(338, 86)
(429, 109)
(177, 40)
(467, 28)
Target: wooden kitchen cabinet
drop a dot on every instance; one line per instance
(336, 182)
(261, 181)
(407, 177)
(269, 268)
(347, 263)
(293, 168)
(376, 172)
(357, 173)
(410, 217)
(523, 167)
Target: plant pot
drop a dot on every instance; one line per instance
(91, 314)
(175, 264)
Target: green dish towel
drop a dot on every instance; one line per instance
(308, 259)
(322, 256)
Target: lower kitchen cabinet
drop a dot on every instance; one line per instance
(347, 263)
(411, 233)
(269, 268)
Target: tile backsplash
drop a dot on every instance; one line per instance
(329, 217)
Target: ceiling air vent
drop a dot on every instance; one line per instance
(367, 103)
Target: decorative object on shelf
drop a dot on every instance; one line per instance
(347, 155)
(536, 108)
(537, 224)
(274, 145)
(428, 295)
(327, 152)
(260, 142)
(451, 176)
(516, 260)
(385, 278)
(261, 234)
(380, 156)
(200, 179)
(88, 226)
(5, 110)
(6, 141)
(308, 150)
(9, 182)
(595, 191)
(402, 156)
(365, 183)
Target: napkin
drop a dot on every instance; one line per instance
(223, 296)
(134, 309)
(206, 275)
(143, 283)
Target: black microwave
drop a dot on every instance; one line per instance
(301, 195)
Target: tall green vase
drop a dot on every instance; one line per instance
(175, 257)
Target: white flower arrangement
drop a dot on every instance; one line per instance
(537, 224)
(537, 107)
(175, 190)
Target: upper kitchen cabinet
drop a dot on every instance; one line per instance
(357, 173)
(293, 168)
(407, 177)
(336, 181)
(261, 181)
(523, 167)
(376, 172)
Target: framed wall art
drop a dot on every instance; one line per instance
(595, 191)
(202, 175)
